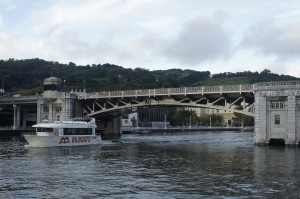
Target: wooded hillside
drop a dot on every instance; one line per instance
(30, 73)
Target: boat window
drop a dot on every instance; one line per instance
(44, 129)
(78, 131)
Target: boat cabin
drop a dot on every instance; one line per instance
(75, 127)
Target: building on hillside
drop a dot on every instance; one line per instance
(229, 116)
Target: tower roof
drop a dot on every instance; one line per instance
(52, 80)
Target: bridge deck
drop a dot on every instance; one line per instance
(169, 91)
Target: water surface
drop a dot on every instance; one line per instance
(180, 165)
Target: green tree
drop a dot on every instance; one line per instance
(212, 119)
(243, 120)
(182, 117)
(99, 77)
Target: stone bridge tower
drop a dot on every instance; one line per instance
(55, 105)
(277, 113)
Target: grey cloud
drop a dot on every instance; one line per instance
(200, 40)
(280, 40)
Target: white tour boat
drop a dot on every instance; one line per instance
(78, 132)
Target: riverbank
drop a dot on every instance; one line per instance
(193, 129)
(13, 132)
(19, 132)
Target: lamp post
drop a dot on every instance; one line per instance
(190, 121)
(209, 122)
(165, 121)
(15, 116)
(2, 88)
(137, 120)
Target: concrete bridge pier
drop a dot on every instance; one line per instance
(17, 116)
(110, 128)
(277, 115)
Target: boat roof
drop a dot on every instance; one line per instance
(67, 124)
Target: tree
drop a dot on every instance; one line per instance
(182, 117)
(211, 119)
(113, 77)
(243, 120)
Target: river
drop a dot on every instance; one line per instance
(179, 165)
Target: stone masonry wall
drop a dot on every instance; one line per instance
(287, 125)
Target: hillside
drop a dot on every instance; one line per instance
(30, 73)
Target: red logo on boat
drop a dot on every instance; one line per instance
(64, 140)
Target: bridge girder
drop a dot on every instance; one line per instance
(100, 106)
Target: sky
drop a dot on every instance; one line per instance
(203, 35)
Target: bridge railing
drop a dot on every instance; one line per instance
(277, 84)
(115, 93)
(247, 87)
(20, 98)
(161, 91)
(171, 91)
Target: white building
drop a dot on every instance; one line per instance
(131, 121)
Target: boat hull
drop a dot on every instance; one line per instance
(61, 141)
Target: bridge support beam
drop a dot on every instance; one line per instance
(17, 116)
(110, 129)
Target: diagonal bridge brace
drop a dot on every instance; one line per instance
(233, 103)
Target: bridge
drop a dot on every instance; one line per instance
(231, 98)
(275, 106)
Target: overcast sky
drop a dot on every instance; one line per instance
(204, 35)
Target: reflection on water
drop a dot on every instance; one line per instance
(189, 165)
(277, 170)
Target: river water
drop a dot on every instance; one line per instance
(180, 165)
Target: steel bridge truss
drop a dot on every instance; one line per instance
(231, 98)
